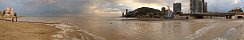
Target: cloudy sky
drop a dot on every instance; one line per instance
(61, 7)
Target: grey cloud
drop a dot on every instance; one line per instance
(62, 7)
(147, 1)
(220, 6)
(112, 7)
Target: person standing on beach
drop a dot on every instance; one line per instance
(15, 15)
(14, 18)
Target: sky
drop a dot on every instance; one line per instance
(84, 7)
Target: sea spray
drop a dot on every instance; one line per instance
(65, 33)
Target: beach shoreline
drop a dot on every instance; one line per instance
(25, 30)
(192, 29)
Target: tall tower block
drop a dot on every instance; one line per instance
(198, 6)
(193, 6)
(177, 7)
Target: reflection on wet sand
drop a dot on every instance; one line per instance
(134, 29)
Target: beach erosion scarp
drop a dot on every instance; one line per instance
(42, 31)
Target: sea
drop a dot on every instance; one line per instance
(115, 27)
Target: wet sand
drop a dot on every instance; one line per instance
(121, 29)
(133, 29)
(42, 31)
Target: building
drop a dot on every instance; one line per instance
(177, 7)
(198, 6)
(205, 8)
(169, 14)
(8, 12)
(163, 9)
(193, 6)
(126, 11)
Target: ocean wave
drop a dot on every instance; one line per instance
(199, 32)
(70, 32)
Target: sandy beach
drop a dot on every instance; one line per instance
(42, 31)
(120, 29)
(25, 31)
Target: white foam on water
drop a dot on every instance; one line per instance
(96, 37)
(230, 34)
(199, 33)
(67, 28)
(232, 30)
(220, 39)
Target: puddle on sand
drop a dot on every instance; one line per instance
(70, 32)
